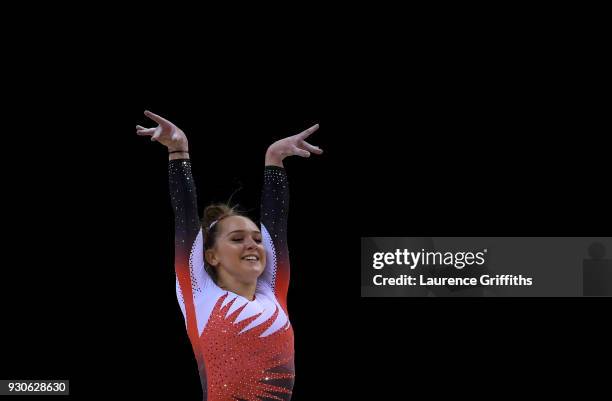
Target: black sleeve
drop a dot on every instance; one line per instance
(274, 215)
(184, 204)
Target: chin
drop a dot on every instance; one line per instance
(258, 270)
(254, 271)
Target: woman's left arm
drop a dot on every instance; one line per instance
(275, 208)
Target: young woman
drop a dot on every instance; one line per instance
(232, 276)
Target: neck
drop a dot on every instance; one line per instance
(246, 290)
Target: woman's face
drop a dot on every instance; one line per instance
(238, 250)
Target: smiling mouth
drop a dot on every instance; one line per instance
(251, 258)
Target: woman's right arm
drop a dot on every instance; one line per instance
(184, 204)
(182, 188)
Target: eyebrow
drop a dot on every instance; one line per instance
(242, 231)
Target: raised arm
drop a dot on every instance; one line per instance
(184, 204)
(275, 209)
(182, 188)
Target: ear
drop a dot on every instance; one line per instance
(211, 258)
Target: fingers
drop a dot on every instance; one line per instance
(300, 152)
(160, 120)
(311, 148)
(306, 133)
(144, 131)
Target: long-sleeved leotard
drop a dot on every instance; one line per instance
(244, 349)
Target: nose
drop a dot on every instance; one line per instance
(250, 243)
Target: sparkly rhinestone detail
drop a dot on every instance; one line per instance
(274, 214)
(246, 365)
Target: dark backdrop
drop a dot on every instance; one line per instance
(430, 137)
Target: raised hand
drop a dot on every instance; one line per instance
(165, 133)
(295, 145)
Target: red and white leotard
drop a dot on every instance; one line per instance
(244, 349)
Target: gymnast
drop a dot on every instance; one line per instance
(232, 276)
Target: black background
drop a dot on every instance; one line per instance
(424, 133)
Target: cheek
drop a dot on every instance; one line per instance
(232, 251)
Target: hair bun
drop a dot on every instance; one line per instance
(215, 212)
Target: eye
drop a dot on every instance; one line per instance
(237, 239)
(258, 240)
